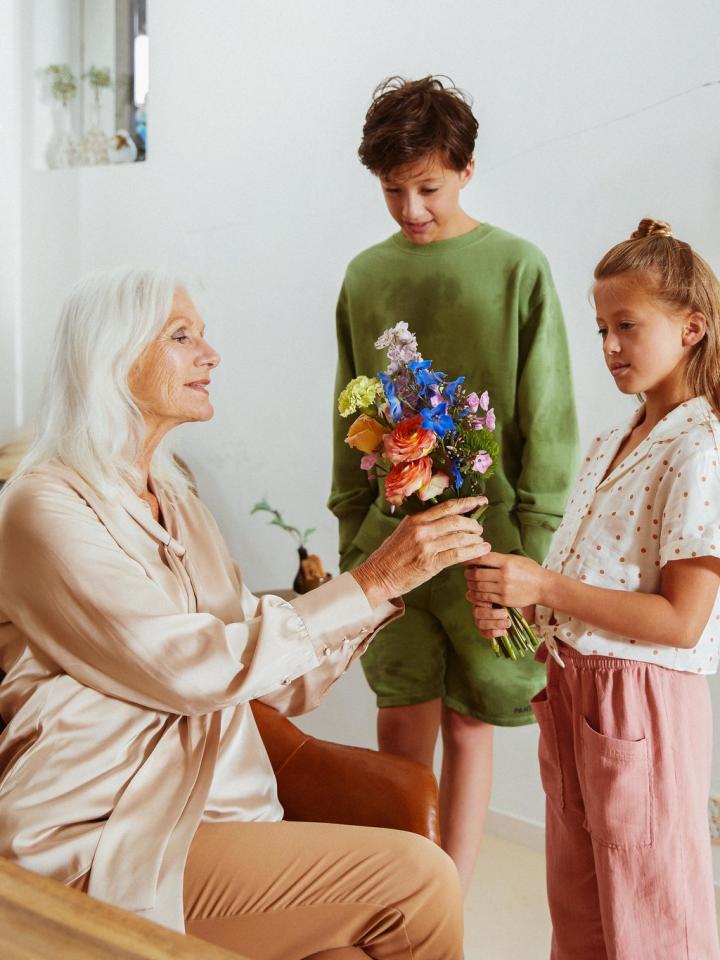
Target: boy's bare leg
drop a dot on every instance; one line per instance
(465, 787)
(466, 778)
(410, 731)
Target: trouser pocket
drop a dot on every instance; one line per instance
(617, 790)
(548, 750)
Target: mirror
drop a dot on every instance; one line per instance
(93, 72)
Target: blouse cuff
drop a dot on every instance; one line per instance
(689, 548)
(337, 614)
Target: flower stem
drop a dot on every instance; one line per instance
(519, 639)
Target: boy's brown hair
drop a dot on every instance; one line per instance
(411, 119)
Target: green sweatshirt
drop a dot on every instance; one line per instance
(482, 305)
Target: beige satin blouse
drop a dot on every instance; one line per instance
(131, 651)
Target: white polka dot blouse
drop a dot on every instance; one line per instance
(661, 503)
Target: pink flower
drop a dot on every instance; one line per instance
(483, 462)
(485, 400)
(405, 478)
(473, 401)
(368, 461)
(438, 482)
(490, 419)
(409, 441)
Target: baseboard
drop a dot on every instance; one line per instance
(528, 833)
(531, 834)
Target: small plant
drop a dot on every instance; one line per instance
(99, 79)
(262, 506)
(63, 82)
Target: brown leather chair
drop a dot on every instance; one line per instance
(332, 783)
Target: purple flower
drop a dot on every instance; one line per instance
(436, 395)
(485, 400)
(473, 401)
(490, 419)
(483, 462)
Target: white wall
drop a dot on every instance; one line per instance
(591, 116)
(10, 220)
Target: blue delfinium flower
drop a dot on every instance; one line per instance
(437, 419)
(424, 376)
(452, 387)
(391, 396)
(457, 476)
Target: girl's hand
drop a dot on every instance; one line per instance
(491, 621)
(506, 579)
(421, 546)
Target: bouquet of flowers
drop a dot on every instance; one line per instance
(427, 436)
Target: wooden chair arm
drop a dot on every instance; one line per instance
(41, 919)
(331, 783)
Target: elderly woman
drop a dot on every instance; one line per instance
(131, 766)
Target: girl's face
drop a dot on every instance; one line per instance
(170, 379)
(646, 341)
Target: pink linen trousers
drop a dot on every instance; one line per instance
(625, 752)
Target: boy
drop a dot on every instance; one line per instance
(482, 304)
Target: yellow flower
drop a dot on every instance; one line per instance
(365, 434)
(359, 393)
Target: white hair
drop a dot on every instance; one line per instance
(88, 418)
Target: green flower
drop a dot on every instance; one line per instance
(360, 393)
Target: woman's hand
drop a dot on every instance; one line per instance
(422, 545)
(506, 579)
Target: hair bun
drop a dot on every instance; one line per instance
(651, 228)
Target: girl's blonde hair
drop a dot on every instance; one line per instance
(680, 277)
(88, 417)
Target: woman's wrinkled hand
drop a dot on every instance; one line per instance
(505, 579)
(421, 546)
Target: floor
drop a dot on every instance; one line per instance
(506, 915)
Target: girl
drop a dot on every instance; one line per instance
(627, 603)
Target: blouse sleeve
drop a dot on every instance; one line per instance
(690, 524)
(91, 609)
(341, 599)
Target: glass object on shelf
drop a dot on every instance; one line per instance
(93, 100)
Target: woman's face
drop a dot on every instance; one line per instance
(169, 381)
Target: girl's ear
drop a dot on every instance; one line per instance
(694, 329)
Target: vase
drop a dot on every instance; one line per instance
(62, 148)
(311, 572)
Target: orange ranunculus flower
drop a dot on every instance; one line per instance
(409, 441)
(365, 434)
(405, 478)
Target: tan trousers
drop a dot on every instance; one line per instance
(319, 891)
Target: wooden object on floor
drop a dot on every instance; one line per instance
(41, 919)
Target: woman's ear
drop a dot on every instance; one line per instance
(694, 329)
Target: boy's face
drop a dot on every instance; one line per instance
(424, 199)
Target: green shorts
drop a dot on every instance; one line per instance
(435, 651)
